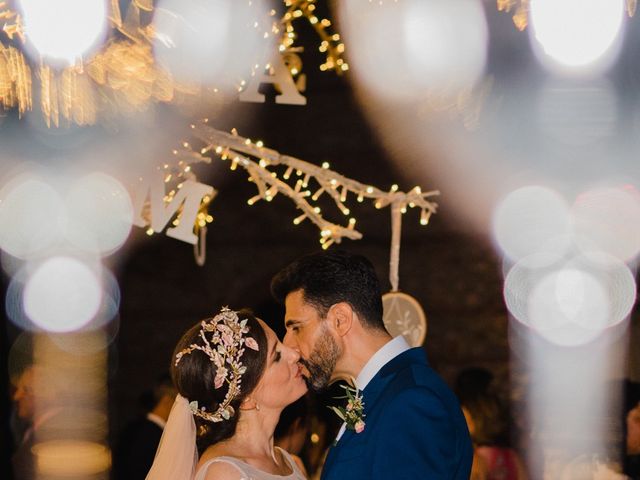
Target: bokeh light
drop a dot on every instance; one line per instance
(209, 40)
(570, 301)
(608, 220)
(530, 220)
(65, 29)
(62, 295)
(72, 458)
(576, 33)
(32, 216)
(400, 49)
(14, 301)
(569, 306)
(99, 214)
(577, 113)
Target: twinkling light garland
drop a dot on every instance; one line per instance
(331, 43)
(520, 9)
(263, 165)
(123, 76)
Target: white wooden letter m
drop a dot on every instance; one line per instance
(160, 212)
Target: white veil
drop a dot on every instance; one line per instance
(177, 456)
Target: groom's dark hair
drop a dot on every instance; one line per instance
(331, 277)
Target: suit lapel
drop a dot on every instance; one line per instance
(372, 393)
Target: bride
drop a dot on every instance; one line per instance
(234, 378)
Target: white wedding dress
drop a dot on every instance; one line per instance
(252, 473)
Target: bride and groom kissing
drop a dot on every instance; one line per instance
(234, 378)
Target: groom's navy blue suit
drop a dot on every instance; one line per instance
(414, 428)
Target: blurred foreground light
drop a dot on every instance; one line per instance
(84, 342)
(64, 29)
(199, 40)
(608, 220)
(569, 306)
(400, 49)
(578, 113)
(531, 220)
(71, 458)
(99, 214)
(570, 302)
(62, 295)
(14, 301)
(574, 34)
(31, 216)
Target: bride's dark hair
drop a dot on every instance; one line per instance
(194, 378)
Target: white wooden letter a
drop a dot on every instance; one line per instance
(281, 80)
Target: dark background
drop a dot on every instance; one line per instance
(454, 274)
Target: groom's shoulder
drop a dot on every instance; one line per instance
(418, 377)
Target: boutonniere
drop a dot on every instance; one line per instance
(353, 413)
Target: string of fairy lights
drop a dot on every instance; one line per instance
(331, 43)
(124, 76)
(302, 182)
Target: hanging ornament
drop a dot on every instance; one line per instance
(402, 314)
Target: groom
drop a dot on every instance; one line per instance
(413, 426)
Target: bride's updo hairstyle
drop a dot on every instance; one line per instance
(195, 375)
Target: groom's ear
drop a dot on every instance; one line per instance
(342, 318)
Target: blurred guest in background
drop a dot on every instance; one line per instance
(472, 381)
(33, 408)
(488, 422)
(24, 400)
(489, 432)
(632, 430)
(139, 440)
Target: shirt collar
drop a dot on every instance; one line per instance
(152, 417)
(388, 352)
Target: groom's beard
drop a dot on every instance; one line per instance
(321, 362)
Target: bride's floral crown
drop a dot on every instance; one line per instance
(225, 347)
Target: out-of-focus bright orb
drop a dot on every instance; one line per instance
(446, 41)
(72, 458)
(400, 49)
(211, 41)
(576, 33)
(62, 295)
(531, 220)
(569, 307)
(32, 216)
(100, 214)
(64, 29)
(608, 220)
(570, 302)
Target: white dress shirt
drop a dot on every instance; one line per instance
(387, 352)
(152, 417)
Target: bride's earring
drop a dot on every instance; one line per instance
(256, 406)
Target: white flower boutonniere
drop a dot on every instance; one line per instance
(353, 414)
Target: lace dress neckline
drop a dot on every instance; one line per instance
(252, 473)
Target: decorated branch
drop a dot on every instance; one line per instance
(303, 182)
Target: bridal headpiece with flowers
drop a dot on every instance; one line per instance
(224, 338)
